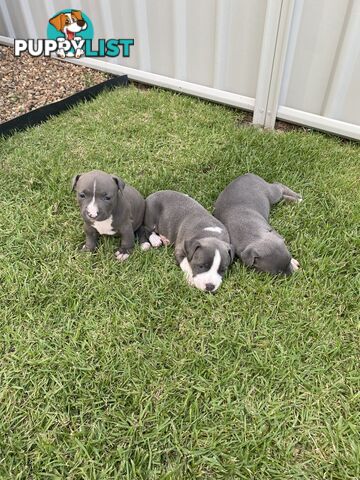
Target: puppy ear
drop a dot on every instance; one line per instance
(58, 22)
(74, 181)
(77, 14)
(119, 182)
(190, 247)
(248, 256)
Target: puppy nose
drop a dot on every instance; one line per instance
(81, 23)
(91, 214)
(209, 287)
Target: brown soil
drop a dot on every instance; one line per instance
(27, 83)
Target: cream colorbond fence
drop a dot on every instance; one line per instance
(296, 60)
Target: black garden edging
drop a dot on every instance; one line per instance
(40, 115)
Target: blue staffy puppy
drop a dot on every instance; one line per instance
(244, 208)
(202, 244)
(108, 207)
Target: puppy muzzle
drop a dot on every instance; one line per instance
(91, 215)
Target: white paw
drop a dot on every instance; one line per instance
(155, 240)
(145, 246)
(164, 240)
(121, 256)
(300, 199)
(85, 248)
(79, 53)
(295, 264)
(60, 53)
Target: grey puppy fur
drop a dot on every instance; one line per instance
(244, 208)
(108, 207)
(202, 244)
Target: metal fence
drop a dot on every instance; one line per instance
(296, 60)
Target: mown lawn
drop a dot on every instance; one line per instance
(122, 371)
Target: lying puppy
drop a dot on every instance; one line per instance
(108, 207)
(244, 208)
(202, 245)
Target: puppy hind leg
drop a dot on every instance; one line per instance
(287, 194)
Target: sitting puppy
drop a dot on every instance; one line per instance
(108, 207)
(244, 208)
(202, 245)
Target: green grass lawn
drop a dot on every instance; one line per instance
(123, 371)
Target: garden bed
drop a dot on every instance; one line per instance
(71, 84)
(28, 83)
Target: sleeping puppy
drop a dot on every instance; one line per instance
(244, 208)
(108, 207)
(202, 245)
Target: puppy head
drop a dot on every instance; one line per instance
(269, 255)
(76, 23)
(97, 194)
(69, 23)
(208, 260)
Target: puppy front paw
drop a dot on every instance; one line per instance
(145, 246)
(295, 265)
(155, 240)
(121, 255)
(88, 248)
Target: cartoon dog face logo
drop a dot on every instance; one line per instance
(69, 24)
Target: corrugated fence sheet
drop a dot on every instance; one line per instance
(298, 60)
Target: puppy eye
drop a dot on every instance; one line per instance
(107, 197)
(67, 21)
(82, 195)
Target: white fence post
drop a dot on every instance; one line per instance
(347, 57)
(276, 34)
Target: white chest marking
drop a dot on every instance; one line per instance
(213, 229)
(105, 227)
